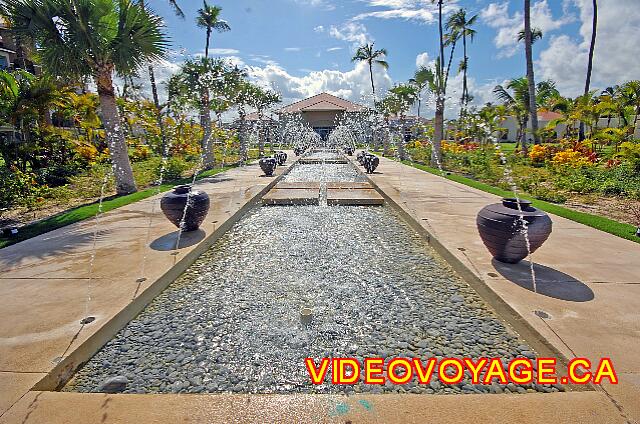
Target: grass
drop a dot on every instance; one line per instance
(508, 147)
(88, 211)
(607, 225)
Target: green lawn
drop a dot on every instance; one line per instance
(87, 211)
(508, 147)
(610, 226)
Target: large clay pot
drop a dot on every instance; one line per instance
(297, 151)
(370, 163)
(349, 150)
(360, 157)
(268, 166)
(173, 205)
(501, 229)
(281, 158)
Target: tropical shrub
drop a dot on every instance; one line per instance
(572, 158)
(630, 152)
(174, 168)
(139, 153)
(87, 152)
(539, 154)
(18, 188)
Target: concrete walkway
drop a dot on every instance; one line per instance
(588, 281)
(588, 285)
(49, 283)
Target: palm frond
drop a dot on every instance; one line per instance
(176, 8)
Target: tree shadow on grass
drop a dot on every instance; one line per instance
(549, 282)
(168, 242)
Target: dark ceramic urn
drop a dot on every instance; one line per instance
(360, 157)
(281, 158)
(268, 166)
(173, 205)
(297, 151)
(349, 150)
(370, 163)
(502, 230)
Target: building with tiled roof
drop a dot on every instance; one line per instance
(321, 112)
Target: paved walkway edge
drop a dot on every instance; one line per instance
(505, 311)
(65, 370)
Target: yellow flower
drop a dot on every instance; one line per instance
(538, 153)
(571, 158)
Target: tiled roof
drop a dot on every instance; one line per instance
(254, 116)
(544, 115)
(322, 102)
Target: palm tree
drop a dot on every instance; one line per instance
(398, 102)
(263, 100)
(122, 36)
(421, 80)
(515, 96)
(209, 19)
(531, 80)
(436, 154)
(536, 34)
(630, 98)
(368, 54)
(592, 47)
(154, 86)
(459, 23)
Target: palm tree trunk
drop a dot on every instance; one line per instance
(385, 139)
(261, 139)
(528, 46)
(441, 33)
(373, 87)
(446, 79)
(205, 119)
(419, 105)
(523, 133)
(244, 145)
(206, 48)
(592, 48)
(465, 89)
(402, 153)
(156, 102)
(436, 154)
(125, 183)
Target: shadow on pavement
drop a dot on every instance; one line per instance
(168, 241)
(549, 282)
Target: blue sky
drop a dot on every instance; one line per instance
(300, 47)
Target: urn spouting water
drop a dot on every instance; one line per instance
(280, 157)
(174, 206)
(503, 228)
(268, 166)
(370, 163)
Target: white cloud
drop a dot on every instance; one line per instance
(423, 60)
(319, 29)
(497, 16)
(292, 49)
(323, 4)
(616, 56)
(352, 85)
(223, 52)
(261, 58)
(353, 32)
(334, 49)
(423, 11)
